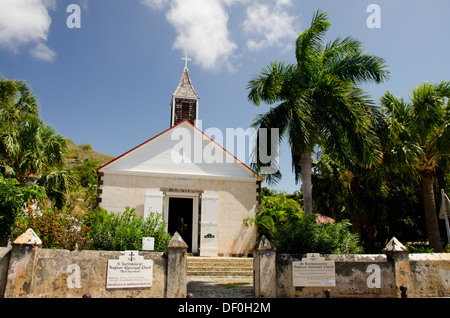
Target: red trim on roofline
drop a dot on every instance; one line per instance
(186, 120)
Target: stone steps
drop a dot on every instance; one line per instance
(219, 266)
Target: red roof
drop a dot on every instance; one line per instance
(322, 219)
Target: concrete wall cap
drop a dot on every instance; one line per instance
(28, 238)
(394, 245)
(264, 244)
(177, 242)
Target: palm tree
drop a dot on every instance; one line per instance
(27, 144)
(319, 102)
(16, 103)
(16, 100)
(420, 134)
(39, 149)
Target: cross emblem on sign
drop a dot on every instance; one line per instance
(131, 256)
(186, 59)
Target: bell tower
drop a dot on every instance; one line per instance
(184, 104)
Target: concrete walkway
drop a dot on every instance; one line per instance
(220, 286)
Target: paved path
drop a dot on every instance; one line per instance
(220, 287)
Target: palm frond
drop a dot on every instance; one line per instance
(338, 48)
(267, 85)
(310, 43)
(358, 68)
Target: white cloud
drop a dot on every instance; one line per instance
(202, 31)
(42, 52)
(283, 2)
(269, 25)
(155, 4)
(26, 22)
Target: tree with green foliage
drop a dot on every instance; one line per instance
(29, 146)
(84, 174)
(32, 148)
(320, 102)
(17, 104)
(380, 202)
(418, 134)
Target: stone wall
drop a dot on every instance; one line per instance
(356, 276)
(429, 275)
(27, 270)
(377, 275)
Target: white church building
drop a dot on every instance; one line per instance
(204, 199)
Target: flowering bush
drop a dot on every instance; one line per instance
(93, 229)
(55, 228)
(13, 200)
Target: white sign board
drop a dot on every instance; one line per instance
(129, 271)
(148, 243)
(314, 271)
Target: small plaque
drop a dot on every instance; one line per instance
(148, 243)
(129, 271)
(314, 271)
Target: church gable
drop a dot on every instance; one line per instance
(182, 150)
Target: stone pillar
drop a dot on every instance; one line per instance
(5, 256)
(399, 255)
(21, 266)
(176, 268)
(264, 269)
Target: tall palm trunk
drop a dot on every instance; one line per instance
(430, 213)
(306, 181)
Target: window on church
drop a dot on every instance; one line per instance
(184, 111)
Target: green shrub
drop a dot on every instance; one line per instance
(305, 236)
(124, 231)
(276, 210)
(283, 222)
(418, 248)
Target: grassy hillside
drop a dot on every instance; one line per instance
(85, 151)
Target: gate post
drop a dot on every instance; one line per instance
(264, 269)
(19, 281)
(176, 268)
(398, 253)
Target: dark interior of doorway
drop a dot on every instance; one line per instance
(180, 219)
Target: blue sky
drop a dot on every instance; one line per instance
(110, 82)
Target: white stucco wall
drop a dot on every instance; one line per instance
(237, 201)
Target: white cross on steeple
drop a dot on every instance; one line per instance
(186, 59)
